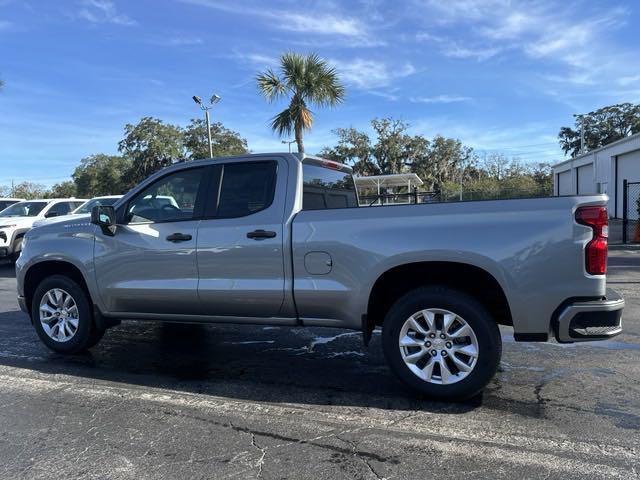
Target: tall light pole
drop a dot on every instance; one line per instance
(581, 117)
(212, 101)
(288, 143)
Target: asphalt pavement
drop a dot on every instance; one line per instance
(204, 402)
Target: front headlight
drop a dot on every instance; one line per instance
(8, 226)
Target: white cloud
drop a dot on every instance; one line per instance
(570, 35)
(454, 49)
(440, 99)
(352, 30)
(629, 80)
(103, 11)
(178, 41)
(370, 74)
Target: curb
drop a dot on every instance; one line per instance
(632, 247)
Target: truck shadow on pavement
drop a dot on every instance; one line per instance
(318, 366)
(254, 363)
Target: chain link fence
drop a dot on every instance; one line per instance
(630, 212)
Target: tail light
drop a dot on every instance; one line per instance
(596, 249)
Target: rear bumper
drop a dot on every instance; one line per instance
(584, 321)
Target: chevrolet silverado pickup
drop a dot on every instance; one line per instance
(280, 239)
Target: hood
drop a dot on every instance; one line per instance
(18, 221)
(67, 221)
(60, 219)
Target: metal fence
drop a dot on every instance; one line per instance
(399, 198)
(449, 196)
(630, 212)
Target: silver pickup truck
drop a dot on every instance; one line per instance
(279, 239)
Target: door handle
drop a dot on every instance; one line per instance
(261, 234)
(179, 237)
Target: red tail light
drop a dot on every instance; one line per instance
(596, 249)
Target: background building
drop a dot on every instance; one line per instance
(601, 171)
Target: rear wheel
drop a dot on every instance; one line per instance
(442, 343)
(62, 315)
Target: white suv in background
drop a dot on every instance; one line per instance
(17, 219)
(7, 202)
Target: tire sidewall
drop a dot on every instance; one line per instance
(85, 316)
(467, 307)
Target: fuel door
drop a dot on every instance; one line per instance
(318, 263)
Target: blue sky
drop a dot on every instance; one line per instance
(501, 75)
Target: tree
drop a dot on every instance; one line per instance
(353, 148)
(151, 145)
(102, 175)
(391, 153)
(64, 189)
(443, 160)
(29, 191)
(307, 80)
(224, 141)
(601, 127)
(395, 151)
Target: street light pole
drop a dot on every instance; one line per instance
(288, 143)
(212, 101)
(206, 119)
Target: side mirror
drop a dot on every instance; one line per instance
(51, 214)
(105, 217)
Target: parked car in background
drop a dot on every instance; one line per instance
(279, 239)
(7, 202)
(86, 207)
(18, 219)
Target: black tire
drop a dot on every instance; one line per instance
(474, 314)
(86, 334)
(17, 248)
(96, 336)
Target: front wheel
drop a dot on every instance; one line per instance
(442, 343)
(62, 315)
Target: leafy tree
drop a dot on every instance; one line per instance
(601, 127)
(391, 152)
(353, 148)
(64, 189)
(29, 191)
(307, 80)
(102, 175)
(443, 160)
(395, 151)
(151, 145)
(224, 141)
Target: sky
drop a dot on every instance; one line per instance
(500, 75)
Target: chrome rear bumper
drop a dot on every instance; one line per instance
(590, 320)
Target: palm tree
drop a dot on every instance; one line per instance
(307, 80)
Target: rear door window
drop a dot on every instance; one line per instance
(327, 188)
(246, 188)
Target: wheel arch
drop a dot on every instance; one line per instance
(471, 279)
(41, 270)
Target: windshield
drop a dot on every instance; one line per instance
(23, 209)
(95, 202)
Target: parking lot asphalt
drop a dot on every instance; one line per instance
(187, 401)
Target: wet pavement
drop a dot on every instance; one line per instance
(189, 402)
